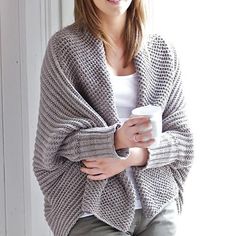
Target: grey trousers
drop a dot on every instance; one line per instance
(164, 224)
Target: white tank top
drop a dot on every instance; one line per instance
(125, 95)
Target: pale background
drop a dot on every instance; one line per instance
(203, 33)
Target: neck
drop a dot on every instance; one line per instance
(114, 26)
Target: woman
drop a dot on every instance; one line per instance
(92, 158)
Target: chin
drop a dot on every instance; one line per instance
(112, 7)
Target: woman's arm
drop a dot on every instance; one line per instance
(68, 127)
(138, 157)
(176, 146)
(103, 168)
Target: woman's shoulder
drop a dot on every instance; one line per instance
(66, 35)
(160, 42)
(73, 43)
(160, 48)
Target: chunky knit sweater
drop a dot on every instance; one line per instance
(78, 118)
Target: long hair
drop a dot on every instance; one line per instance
(85, 15)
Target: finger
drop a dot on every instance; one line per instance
(91, 159)
(94, 160)
(143, 137)
(92, 171)
(97, 177)
(136, 120)
(146, 126)
(144, 144)
(91, 164)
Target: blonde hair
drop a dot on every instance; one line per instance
(85, 16)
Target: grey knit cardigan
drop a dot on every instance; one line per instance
(77, 120)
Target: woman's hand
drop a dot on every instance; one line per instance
(103, 168)
(134, 132)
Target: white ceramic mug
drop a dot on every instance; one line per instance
(155, 114)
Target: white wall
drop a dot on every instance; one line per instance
(67, 8)
(42, 20)
(2, 182)
(13, 105)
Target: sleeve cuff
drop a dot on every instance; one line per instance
(99, 142)
(165, 153)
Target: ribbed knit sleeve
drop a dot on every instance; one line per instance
(176, 145)
(67, 125)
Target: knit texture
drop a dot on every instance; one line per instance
(78, 118)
